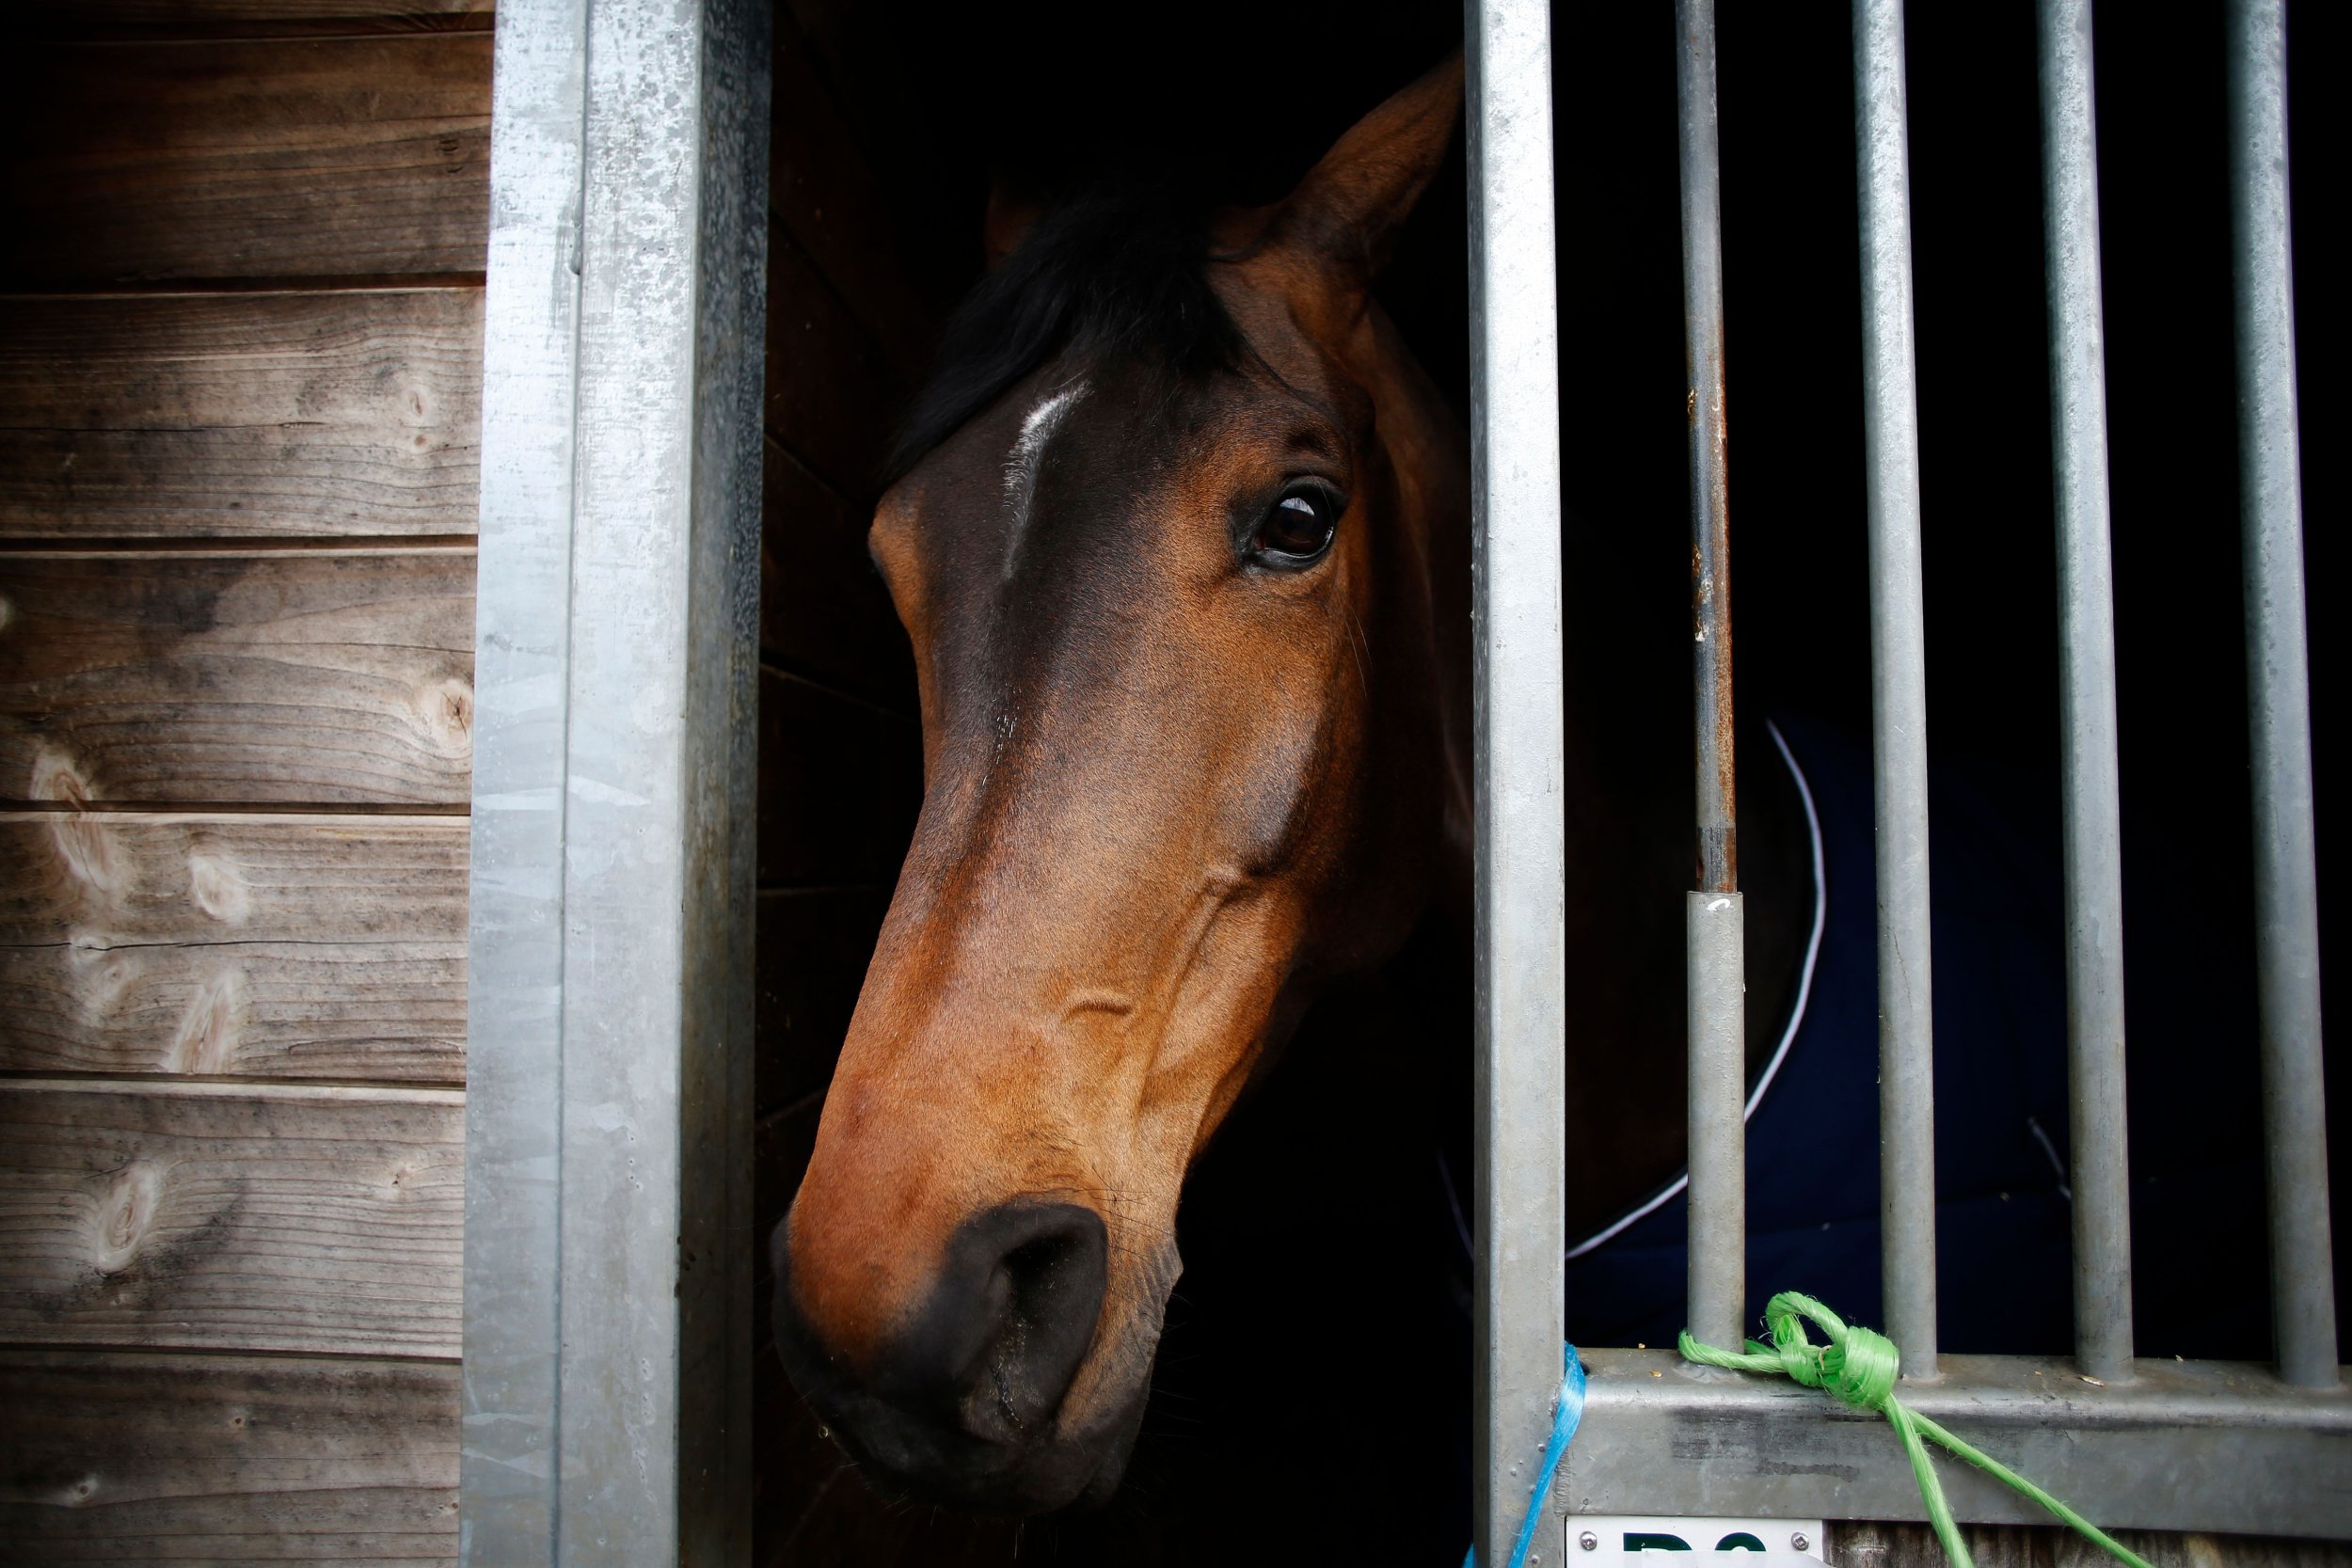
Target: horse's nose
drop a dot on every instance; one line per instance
(1007, 1323)
(964, 1393)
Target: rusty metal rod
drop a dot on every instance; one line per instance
(1710, 507)
(1713, 952)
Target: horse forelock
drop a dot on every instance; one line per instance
(1104, 274)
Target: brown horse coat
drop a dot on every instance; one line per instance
(1190, 614)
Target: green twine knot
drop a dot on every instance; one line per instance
(1860, 1368)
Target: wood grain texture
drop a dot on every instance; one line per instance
(265, 678)
(840, 782)
(1865, 1545)
(240, 415)
(266, 947)
(813, 950)
(834, 401)
(160, 1460)
(208, 18)
(302, 1220)
(823, 610)
(349, 157)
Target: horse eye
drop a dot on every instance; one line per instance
(1298, 528)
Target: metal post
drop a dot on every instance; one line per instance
(1715, 998)
(1517, 690)
(1714, 922)
(2286, 882)
(1899, 697)
(514, 989)
(608, 1301)
(2094, 835)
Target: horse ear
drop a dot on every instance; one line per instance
(1013, 210)
(1349, 208)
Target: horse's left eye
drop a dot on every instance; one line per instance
(1297, 529)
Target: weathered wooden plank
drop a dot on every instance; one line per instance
(347, 157)
(827, 197)
(840, 782)
(274, 677)
(813, 947)
(823, 610)
(205, 1460)
(254, 946)
(832, 399)
(220, 1217)
(199, 19)
(1867, 1545)
(240, 415)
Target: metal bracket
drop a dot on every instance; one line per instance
(2183, 1445)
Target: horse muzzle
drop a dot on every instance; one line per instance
(963, 1402)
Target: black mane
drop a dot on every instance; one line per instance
(1116, 274)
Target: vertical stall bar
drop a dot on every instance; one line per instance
(1898, 696)
(1713, 960)
(608, 1262)
(2286, 881)
(2090, 779)
(1521, 892)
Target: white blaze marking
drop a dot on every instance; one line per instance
(1028, 453)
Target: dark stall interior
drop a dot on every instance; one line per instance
(1311, 1391)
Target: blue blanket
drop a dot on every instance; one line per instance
(2004, 1217)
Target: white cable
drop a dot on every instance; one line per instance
(1796, 1014)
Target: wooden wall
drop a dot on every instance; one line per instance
(241, 253)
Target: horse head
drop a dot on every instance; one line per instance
(1183, 555)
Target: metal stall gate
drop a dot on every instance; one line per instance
(2133, 1442)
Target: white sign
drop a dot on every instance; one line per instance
(1612, 1540)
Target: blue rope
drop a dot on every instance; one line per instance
(1564, 1415)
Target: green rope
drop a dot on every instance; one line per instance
(1860, 1367)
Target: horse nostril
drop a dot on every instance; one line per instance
(1011, 1317)
(970, 1384)
(1051, 1289)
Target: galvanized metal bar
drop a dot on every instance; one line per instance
(2184, 1446)
(1899, 694)
(609, 1151)
(659, 892)
(2286, 879)
(1516, 693)
(1716, 988)
(1713, 960)
(2091, 776)
(507, 1468)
